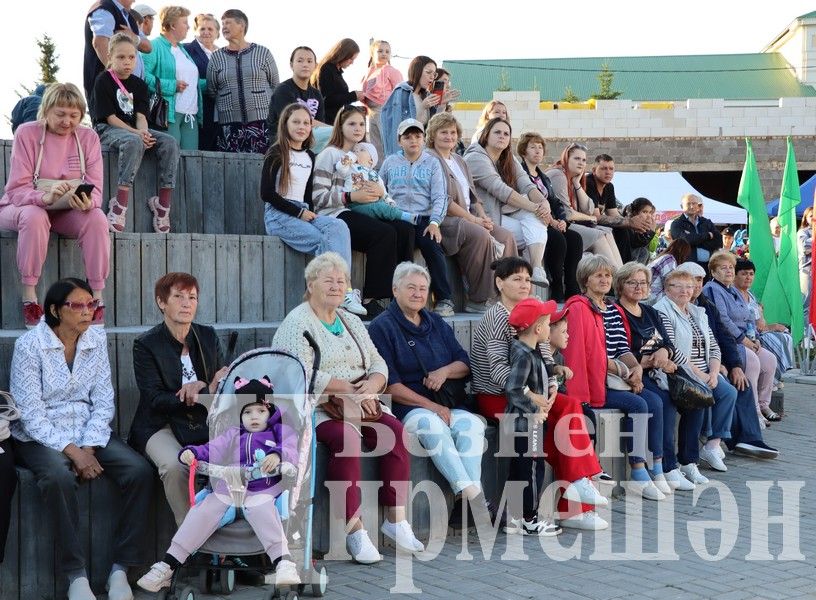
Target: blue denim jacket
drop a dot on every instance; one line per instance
(399, 106)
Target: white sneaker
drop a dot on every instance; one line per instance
(403, 535)
(661, 484)
(361, 549)
(583, 491)
(540, 277)
(156, 578)
(543, 528)
(589, 521)
(353, 303)
(676, 481)
(118, 586)
(286, 573)
(692, 473)
(712, 459)
(645, 489)
(80, 589)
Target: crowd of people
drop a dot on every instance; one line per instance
(382, 170)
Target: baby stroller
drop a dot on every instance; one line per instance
(292, 396)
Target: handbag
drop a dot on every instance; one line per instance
(159, 108)
(687, 392)
(452, 393)
(618, 382)
(189, 423)
(45, 185)
(340, 409)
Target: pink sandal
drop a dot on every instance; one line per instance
(161, 222)
(116, 222)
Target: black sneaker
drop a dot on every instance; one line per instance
(374, 308)
(456, 517)
(495, 515)
(756, 449)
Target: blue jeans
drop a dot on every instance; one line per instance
(745, 424)
(718, 418)
(691, 423)
(323, 234)
(435, 259)
(647, 403)
(456, 450)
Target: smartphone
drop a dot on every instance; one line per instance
(439, 89)
(85, 188)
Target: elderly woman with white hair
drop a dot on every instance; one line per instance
(351, 369)
(427, 370)
(607, 374)
(746, 433)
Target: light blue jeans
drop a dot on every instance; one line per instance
(323, 234)
(131, 150)
(456, 450)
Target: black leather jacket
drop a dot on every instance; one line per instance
(157, 365)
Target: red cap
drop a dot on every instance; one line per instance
(529, 310)
(558, 315)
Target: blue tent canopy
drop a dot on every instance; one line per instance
(806, 190)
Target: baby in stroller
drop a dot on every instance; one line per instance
(261, 444)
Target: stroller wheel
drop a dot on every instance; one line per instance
(227, 581)
(291, 595)
(162, 594)
(205, 580)
(188, 593)
(320, 582)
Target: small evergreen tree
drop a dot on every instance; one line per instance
(605, 79)
(570, 95)
(48, 59)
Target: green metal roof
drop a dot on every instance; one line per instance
(729, 76)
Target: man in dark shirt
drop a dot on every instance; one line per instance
(599, 187)
(699, 232)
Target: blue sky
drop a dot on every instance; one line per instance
(461, 30)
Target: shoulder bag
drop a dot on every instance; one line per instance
(687, 392)
(189, 423)
(158, 109)
(45, 185)
(347, 410)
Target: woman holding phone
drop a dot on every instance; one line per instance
(55, 184)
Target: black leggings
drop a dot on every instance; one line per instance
(385, 244)
(8, 482)
(561, 257)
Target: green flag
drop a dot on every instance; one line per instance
(784, 304)
(759, 230)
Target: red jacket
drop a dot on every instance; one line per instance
(585, 353)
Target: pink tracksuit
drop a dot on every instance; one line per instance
(22, 208)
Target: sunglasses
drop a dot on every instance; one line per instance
(575, 145)
(80, 306)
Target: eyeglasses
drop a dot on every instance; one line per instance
(80, 306)
(681, 286)
(636, 284)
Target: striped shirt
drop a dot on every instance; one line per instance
(697, 357)
(616, 342)
(490, 352)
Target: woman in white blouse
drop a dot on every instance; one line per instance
(352, 369)
(61, 380)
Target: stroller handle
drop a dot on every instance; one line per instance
(316, 362)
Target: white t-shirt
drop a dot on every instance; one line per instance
(186, 71)
(461, 179)
(188, 374)
(300, 167)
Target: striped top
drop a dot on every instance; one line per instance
(490, 352)
(242, 82)
(697, 357)
(329, 183)
(617, 343)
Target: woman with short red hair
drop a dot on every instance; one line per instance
(175, 363)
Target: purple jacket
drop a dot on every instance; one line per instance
(237, 446)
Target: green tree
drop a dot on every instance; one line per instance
(48, 59)
(570, 95)
(605, 79)
(504, 81)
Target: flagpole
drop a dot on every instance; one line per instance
(812, 307)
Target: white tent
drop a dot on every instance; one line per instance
(665, 191)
